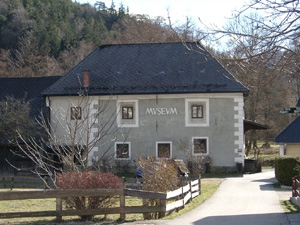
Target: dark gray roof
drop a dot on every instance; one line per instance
(148, 69)
(250, 125)
(27, 88)
(291, 134)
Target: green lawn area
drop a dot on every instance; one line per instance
(266, 156)
(289, 207)
(209, 182)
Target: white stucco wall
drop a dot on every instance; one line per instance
(163, 118)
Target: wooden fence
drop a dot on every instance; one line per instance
(296, 187)
(167, 201)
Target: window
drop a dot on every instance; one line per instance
(76, 113)
(197, 111)
(127, 112)
(200, 145)
(164, 149)
(122, 150)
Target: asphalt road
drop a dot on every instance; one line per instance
(247, 200)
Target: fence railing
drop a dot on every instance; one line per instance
(296, 187)
(167, 201)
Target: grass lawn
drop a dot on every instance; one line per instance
(209, 184)
(289, 207)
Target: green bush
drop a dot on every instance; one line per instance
(286, 167)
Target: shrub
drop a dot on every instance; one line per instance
(199, 164)
(286, 169)
(87, 180)
(158, 176)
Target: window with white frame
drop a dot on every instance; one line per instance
(200, 145)
(164, 149)
(127, 113)
(196, 112)
(122, 150)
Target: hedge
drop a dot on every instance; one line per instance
(286, 167)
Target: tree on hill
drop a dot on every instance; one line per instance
(57, 24)
(36, 47)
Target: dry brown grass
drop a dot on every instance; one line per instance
(209, 186)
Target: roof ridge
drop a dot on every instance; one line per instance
(7, 78)
(149, 43)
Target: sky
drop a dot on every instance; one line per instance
(210, 11)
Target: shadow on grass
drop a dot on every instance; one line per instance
(289, 207)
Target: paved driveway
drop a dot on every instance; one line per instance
(247, 200)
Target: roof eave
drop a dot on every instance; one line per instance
(141, 93)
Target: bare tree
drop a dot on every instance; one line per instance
(264, 29)
(15, 119)
(269, 91)
(72, 137)
(29, 61)
(69, 58)
(276, 24)
(140, 29)
(262, 52)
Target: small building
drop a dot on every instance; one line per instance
(165, 100)
(289, 139)
(27, 89)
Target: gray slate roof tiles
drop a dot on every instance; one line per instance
(291, 134)
(28, 88)
(157, 68)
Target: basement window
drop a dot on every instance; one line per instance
(164, 149)
(122, 150)
(200, 145)
(76, 113)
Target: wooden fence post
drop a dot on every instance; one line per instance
(293, 187)
(199, 183)
(45, 183)
(122, 200)
(12, 180)
(296, 187)
(146, 215)
(190, 184)
(3, 180)
(163, 202)
(58, 209)
(182, 197)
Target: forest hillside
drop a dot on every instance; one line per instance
(48, 37)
